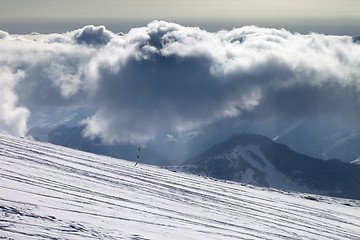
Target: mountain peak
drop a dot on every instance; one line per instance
(258, 160)
(239, 139)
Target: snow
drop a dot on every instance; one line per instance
(357, 161)
(52, 192)
(248, 176)
(258, 160)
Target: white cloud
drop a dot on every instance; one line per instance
(3, 34)
(12, 117)
(171, 138)
(169, 77)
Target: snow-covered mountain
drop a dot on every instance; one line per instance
(53, 192)
(258, 160)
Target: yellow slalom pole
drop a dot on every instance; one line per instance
(137, 161)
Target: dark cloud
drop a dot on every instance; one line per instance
(356, 39)
(304, 101)
(169, 80)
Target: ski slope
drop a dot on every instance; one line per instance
(52, 192)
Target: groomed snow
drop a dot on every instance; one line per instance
(52, 192)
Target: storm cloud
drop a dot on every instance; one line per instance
(167, 78)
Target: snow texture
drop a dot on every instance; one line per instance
(253, 155)
(52, 192)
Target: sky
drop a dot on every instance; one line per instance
(44, 16)
(182, 75)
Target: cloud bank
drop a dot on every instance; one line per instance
(166, 78)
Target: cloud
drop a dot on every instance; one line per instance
(12, 117)
(3, 34)
(171, 138)
(169, 78)
(92, 35)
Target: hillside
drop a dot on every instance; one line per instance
(258, 160)
(53, 192)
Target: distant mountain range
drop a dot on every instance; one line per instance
(324, 141)
(260, 161)
(72, 137)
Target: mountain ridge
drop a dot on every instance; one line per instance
(258, 160)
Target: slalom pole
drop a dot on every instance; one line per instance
(137, 161)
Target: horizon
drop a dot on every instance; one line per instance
(332, 17)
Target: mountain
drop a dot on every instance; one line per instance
(53, 192)
(258, 160)
(72, 137)
(326, 142)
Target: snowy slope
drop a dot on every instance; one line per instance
(52, 192)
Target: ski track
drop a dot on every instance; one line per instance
(52, 192)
